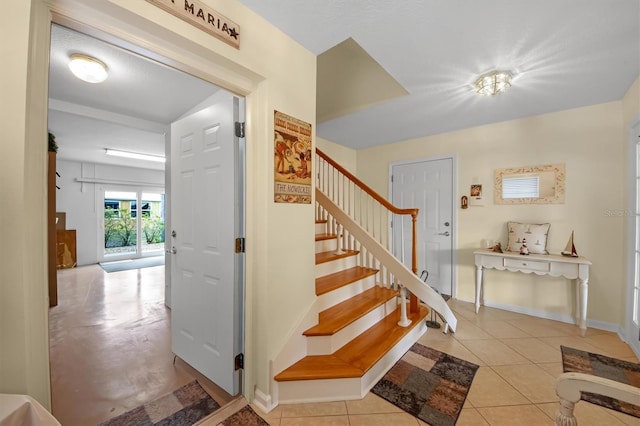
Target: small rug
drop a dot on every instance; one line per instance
(125, 265)
(245, 417)
(577, 361)
(182, 407)
(428, 384)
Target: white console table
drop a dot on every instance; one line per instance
(573, 268)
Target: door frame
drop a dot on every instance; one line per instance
(100, 191)
(454, 210)
(632, 331)
(124, 28)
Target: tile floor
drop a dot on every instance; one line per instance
(518, 355)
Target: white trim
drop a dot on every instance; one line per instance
(600, 325)
(132, 29)
(454, 210)
(263, 401)
(631, 331)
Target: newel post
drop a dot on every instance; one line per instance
(413, 300)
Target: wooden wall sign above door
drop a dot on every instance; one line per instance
(203, 17)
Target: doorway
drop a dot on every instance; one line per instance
(427, 185)
(129, 206)
(633, 225)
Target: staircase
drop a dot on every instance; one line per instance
(359, 324)
(356, 338)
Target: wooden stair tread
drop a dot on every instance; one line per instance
(321, 220)
(339, 316)
(328, 256)
(322, 237)
(356, 357)
(339, 279)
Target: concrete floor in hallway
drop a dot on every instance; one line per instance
(111, 351)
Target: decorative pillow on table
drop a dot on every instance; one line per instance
(535, 234)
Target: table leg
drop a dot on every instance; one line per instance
(582, 291)
(478, 286)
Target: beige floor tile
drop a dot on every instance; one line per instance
(314, 409)
(315, 421)
(586, 414)
(494, 352)
(489, 389)
(395, 419)
(533, 382)
(553, 368)
(623, 418)
(455, 348)
(371, 404)
(610, 345)
(518, 415)
(471, 417)
(467, 331)
(539, 327)
(535, 350)
(502, 330)
(272, 417)
(570, 341)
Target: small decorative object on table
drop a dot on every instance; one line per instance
(524, 250)
(497, 248)
(570, 249)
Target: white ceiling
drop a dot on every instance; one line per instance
(128, 111)
(564, 54)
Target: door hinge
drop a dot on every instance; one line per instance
(239, 129)
(239, 361)
(239, 245)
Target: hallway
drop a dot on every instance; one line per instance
(110, 345)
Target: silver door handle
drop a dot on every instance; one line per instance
(446, 233)
(172, 251)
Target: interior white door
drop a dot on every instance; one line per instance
(427, 185)
(206, 290)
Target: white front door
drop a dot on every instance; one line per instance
(428, 186)
(207, 288)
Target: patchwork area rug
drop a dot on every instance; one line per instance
(428, 384)
(183, 407)
(245, 417)
(577, 361)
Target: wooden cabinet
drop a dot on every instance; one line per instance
(66, 248)
(51, 230)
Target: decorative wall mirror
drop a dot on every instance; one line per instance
(530, 185)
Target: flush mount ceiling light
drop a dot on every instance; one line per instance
(87, 68)
(493, 83)
(137, 156)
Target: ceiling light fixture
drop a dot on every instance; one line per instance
(135, 155)
(87, 68)
(493, 83)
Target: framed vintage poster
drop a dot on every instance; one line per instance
(292, 160)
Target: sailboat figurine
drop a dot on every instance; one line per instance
(570, 249)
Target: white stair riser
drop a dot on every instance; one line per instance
(321, 228)
(325, 345)
(336, 265)
(341, 294)
(296, 392)
(326, 245)
(346, 389)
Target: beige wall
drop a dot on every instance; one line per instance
(343, 155)
(270, 69)
(591, 142)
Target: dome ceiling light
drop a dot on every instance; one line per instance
(87, 68)
(493, 83)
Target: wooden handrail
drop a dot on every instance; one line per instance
(366, 188)
(414, 305)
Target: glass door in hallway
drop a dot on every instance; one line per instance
(133, 224)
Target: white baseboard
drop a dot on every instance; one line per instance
(600, 325)
(263, 401)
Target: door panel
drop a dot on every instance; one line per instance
(427, 185)
(205, 288)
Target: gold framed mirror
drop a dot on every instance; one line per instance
(530, 184)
